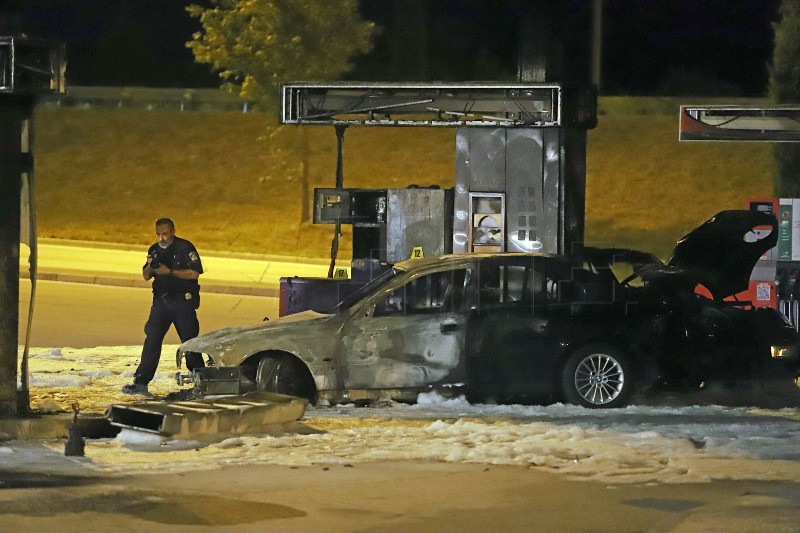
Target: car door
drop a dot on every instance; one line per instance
(409, 335)
(515, 333)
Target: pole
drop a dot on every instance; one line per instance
(15, 110)
(597, 42)
(27, 67)
(339, 184)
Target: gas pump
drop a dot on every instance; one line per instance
(388, 224)
(519, 174)
(779, 269)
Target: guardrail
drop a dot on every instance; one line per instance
(148, 98)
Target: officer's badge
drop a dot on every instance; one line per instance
(193, 256)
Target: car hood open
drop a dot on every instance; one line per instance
(722, 252)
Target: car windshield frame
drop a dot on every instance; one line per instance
(364, 291)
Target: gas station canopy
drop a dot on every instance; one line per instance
(432, 104)
(31, 65)
(740, 123)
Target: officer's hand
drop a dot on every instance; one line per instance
(153, 260)
(161, 270)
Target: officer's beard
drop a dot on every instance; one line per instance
(164, 245)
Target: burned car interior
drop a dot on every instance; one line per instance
(432, 293)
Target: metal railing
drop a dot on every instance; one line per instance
(150, 98)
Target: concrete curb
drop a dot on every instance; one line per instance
(55, 426)
(119, 266)
(141, 248)
(41, 427)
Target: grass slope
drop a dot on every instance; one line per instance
(235, 182)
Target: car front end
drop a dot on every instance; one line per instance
(232, 354)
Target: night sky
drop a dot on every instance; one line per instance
(650, 47)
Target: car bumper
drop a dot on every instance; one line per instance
(212, 381)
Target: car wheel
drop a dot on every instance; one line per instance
(597, 376)
(283, 374)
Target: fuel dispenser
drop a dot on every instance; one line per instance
(389, 225)
(519, 174)
(784, 259)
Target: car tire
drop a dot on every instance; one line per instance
(597, 376)
(284, 374)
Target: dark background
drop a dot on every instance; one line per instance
(650, 47)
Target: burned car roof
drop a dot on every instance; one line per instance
(421, 266)
(460, 259)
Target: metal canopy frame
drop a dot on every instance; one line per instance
(435, 104)
(740, 123)
(31, 65)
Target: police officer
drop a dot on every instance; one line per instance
(174, 266)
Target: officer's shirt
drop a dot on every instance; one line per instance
(180, 255)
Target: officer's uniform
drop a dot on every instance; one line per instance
(175, 301)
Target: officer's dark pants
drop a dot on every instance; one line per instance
(165, 311)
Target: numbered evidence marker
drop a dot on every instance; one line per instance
(417, 253)
(340, 273)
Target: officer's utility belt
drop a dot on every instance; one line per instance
(167, 296)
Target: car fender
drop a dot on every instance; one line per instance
(315, 353)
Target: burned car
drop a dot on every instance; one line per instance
(527, 327)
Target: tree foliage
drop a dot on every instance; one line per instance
(784, 88)
(258, 44)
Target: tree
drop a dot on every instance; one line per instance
(784, 88)
(258, 44)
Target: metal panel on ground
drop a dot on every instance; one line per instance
(256, 412)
